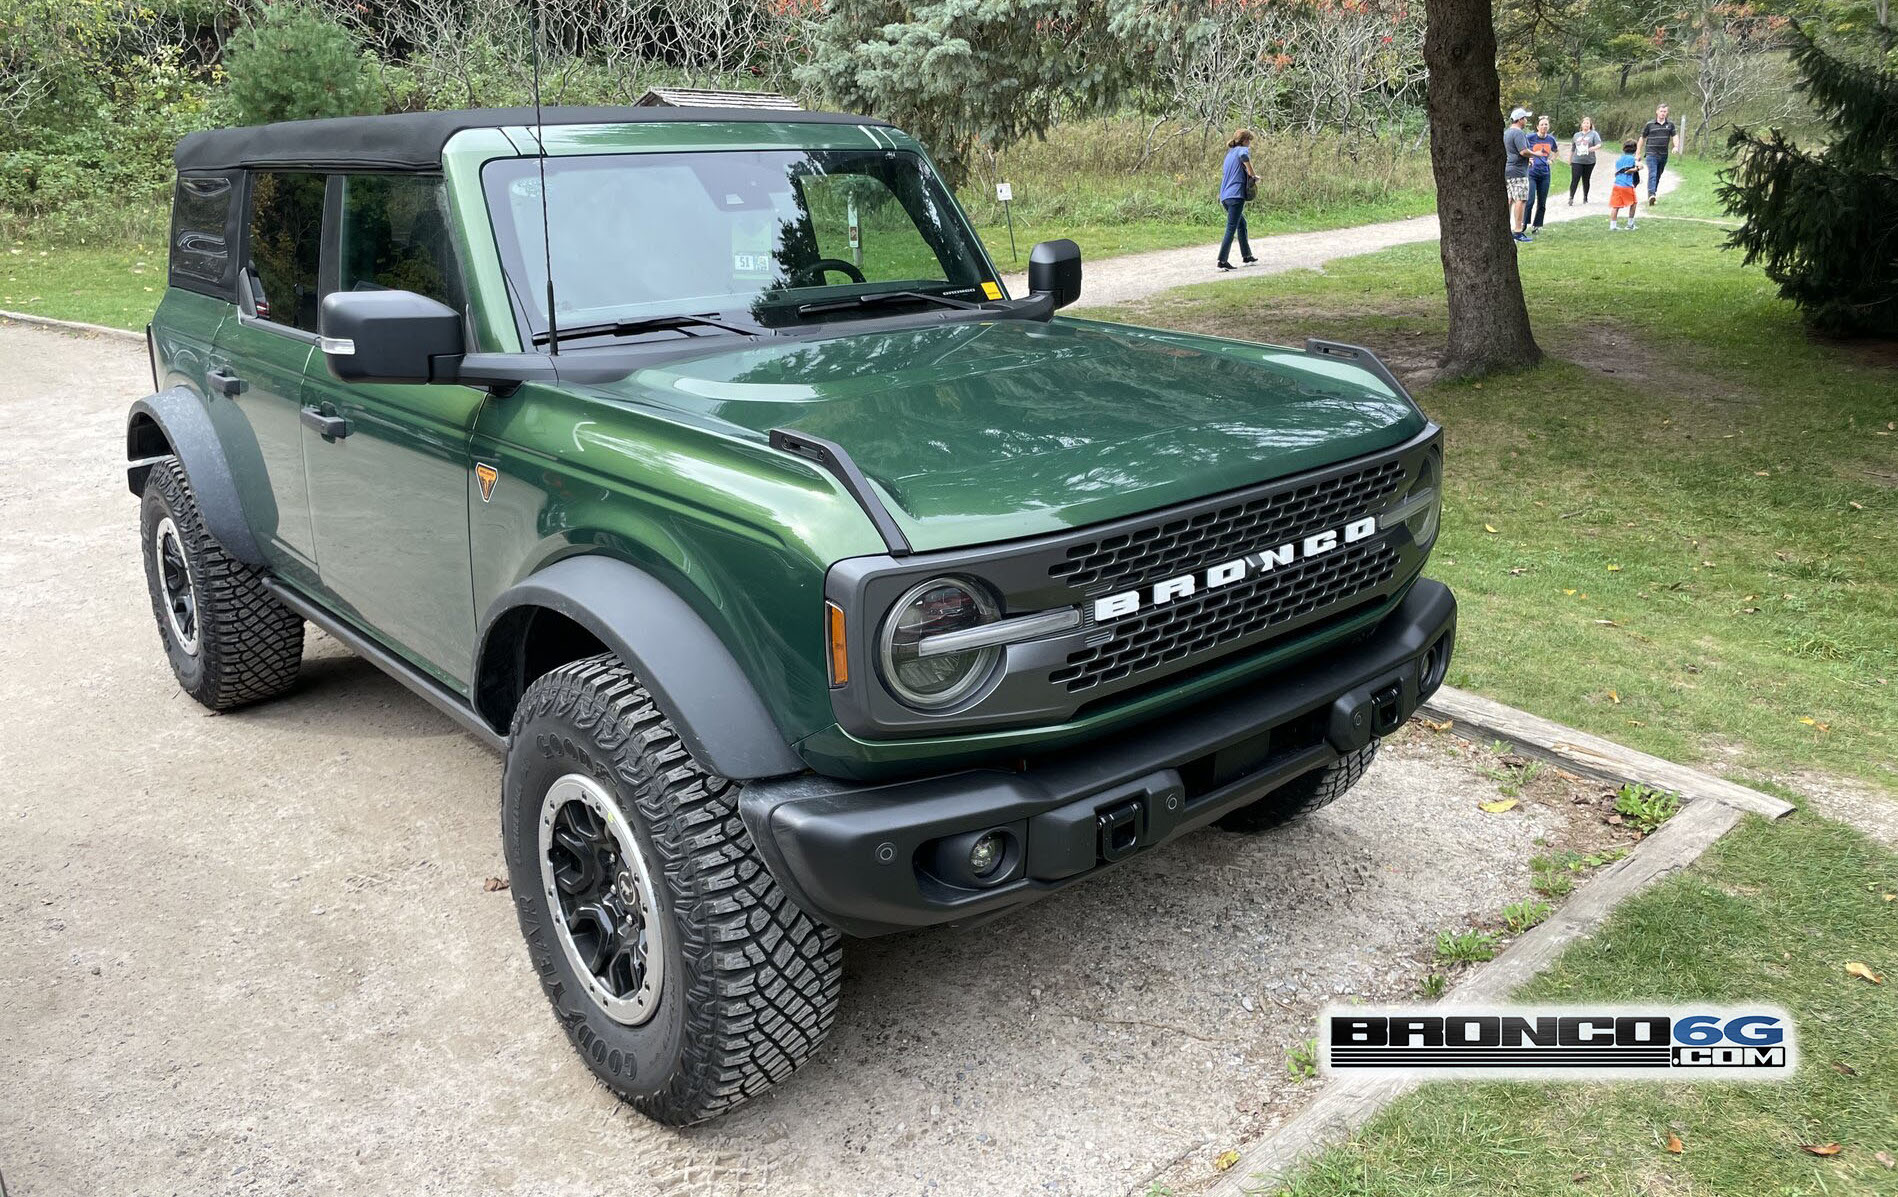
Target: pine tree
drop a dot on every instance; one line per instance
(1824, 223)
(293, 62)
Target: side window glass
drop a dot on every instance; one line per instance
(286, 236)
(395, 237)
(200, 248)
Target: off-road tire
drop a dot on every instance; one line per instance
(1300, 797)
(750, 982)
(248, 645)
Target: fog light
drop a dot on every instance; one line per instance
(986, 853)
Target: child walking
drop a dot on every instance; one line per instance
(1627, 176)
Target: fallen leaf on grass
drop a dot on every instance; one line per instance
(1497, 807)
(1614, 697)
(1224, 1161)
(1884, 1157)
(1889, 897)
(1843, 1069)
(1855, 504)
(1489, 527)
(1607, 623)
(493, 885)
(1821, 1148)
(1675, 1145)
(1434, 726)
(1614, 569)
(1568, 592)
(1863, 971)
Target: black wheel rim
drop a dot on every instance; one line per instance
(174, 585)
(600, 894)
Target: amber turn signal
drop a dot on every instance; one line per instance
(834, 634)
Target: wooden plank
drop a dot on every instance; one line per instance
(1348, 1102)
(1477, 718)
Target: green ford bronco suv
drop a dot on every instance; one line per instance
(699, 462)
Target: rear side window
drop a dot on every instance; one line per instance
(201, 227)
(285, 243)
(394, 237)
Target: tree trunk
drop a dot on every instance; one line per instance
(1489, 323)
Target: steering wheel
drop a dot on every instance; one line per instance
(813, 274)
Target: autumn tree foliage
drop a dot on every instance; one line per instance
(1823, 222)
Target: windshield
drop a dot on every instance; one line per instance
(750, 235)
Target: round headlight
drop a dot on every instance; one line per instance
(939, 680)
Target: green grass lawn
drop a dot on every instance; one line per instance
(1679, 531)
(117, 286)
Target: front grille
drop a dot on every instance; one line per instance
(1183, 545)
(1224, 617)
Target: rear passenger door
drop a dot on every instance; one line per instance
(258, 362)
(389, 498)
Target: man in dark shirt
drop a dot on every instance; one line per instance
(1658, 136)
(1516, 172)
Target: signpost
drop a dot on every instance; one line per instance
(1005, 193)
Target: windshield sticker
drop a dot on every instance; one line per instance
(991, 290)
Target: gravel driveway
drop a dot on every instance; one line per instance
(252, 952)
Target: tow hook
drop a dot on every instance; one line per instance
(1122, 828)
(1387, 709)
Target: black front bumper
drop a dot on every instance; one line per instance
(875, 858)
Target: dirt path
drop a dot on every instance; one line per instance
(252, 952)
(1110, 282)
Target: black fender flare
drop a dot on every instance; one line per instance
(677, 657)
(173, 423)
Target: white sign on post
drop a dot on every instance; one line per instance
(1003, 193)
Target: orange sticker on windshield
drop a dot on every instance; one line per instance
(991, 290)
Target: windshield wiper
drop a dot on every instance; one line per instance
(879, 298)
(627, 328)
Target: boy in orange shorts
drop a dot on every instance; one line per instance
(1627, 176)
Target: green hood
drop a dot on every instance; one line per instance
(978, 433)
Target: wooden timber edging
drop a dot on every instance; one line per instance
(1711, 807)
(1477, 718)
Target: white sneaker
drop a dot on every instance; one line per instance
(1631, 225)
(1613, 227)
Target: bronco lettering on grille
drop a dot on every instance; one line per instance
(1119, 606)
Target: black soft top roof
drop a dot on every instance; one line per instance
(414, 140)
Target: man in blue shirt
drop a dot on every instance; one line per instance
(1233, 185)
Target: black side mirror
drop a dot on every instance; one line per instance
(389, 336)
(1054, 270)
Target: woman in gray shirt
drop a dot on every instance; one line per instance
(1581, 158)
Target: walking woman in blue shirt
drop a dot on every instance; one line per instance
(1235, 180)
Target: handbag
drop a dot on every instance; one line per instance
(1252, 188)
